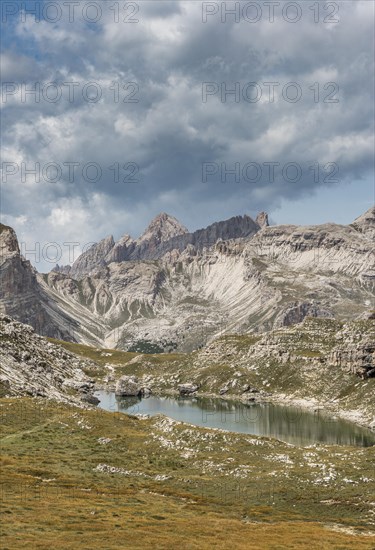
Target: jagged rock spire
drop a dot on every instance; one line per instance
(162, 228)
(262, 219)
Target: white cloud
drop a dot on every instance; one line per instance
(169, 132)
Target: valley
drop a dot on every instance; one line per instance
(279, 319)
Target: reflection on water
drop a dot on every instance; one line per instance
(290, 424)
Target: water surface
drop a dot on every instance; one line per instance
(290, 424)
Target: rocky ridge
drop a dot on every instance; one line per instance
(30, 365)
(195, 291)
(366, 224)
(163, 235)
(21, 295)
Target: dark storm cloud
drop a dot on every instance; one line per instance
(169, 133)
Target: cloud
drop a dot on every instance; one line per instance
(150, 132)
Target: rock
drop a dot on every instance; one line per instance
(187, 389)
(64, 269)
(4, 382)
(295, 313)
(92, 258)
(262, 219)
(161, 229)
(121, 250)
(30, 365)
(146, 392)
(164, 235)
(357, 358)
(128, 386)
(92, 399)
(21, 296)
(366, 223)
(234, 274)
(224, 390)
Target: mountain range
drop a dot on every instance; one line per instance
(174, 289)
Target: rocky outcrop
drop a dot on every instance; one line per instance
(93, 258)
(296, 313)
(30, 365)
(19, 287)
(129, 386)
(187, 389)
(262, 219)
(121, 251)
(161, 229)
(29, 297)
(366, 224)
(359, 360)
(21, 296)
(355, 350)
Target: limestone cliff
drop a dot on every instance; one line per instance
(231, 277)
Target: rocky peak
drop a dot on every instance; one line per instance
(92, 258)
(20, 293)
(64, 269)
(8, 242)
(366, 223)
(121, 250)
(262, 219)
(106, 244)
(153, 247)
(162, 228)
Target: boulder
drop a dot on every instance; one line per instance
(128, 386)
(91, 399)
(187, 389)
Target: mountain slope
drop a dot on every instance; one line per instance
(24, 296)
(30, 365)
(274, 278)
(263, 278)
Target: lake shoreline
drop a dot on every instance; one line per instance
(311, 405)
(308, 405)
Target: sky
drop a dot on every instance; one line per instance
(204, 110)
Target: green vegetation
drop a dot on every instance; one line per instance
(101, 356)
(86, 478)
(169, 485)
(146, 346)
(294, 365)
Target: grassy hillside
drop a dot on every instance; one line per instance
(74, 478)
